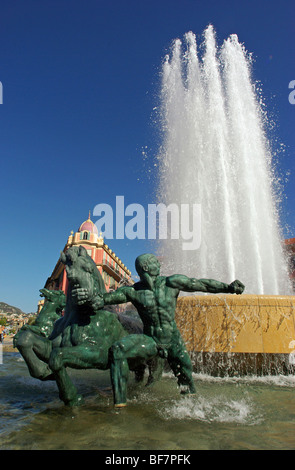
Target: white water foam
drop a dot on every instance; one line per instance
(275, 380)
(214, 409)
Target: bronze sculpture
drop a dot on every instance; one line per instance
(82, 338)
(154, 297)
(88, 336)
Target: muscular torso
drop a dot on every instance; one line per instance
(156, 308)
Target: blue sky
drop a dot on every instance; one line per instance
(80, 81)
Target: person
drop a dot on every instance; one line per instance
(155, 298)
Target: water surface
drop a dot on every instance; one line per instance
(226, 413)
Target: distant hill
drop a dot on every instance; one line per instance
(9, 309)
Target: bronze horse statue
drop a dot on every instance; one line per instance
(83, 336)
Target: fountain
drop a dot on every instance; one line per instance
(215, 152)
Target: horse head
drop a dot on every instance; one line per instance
(82, 271)
(55, 297)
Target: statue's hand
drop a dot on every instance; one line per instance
(80, 295)
(236, 287)
(97, 302)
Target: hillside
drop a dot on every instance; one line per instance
(9, 309)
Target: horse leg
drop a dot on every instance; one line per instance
(156, 367)
(67, 391)
(76, 357)
(139, 347)
(139, 373)
(36, 352)
(119, 375)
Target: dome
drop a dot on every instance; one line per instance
(88, 226)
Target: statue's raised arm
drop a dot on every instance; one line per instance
(188, 284)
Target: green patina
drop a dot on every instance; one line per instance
(82, 337)
(88, 336)
(55, 302)
(155, 298)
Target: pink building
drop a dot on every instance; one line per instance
(114, 272)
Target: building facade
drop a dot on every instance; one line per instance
(113, 271)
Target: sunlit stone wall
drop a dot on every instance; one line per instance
(238, 323)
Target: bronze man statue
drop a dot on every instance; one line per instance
(155, 298)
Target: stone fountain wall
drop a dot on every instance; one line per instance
(234, 335)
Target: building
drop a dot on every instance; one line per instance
(290, 251)
(113, 271)
(13, 322)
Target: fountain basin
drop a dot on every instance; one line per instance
(239, 335)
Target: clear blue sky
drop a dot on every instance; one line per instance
(80, 81)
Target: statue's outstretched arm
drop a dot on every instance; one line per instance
(119, 296)
(99, 300)
(189, 284)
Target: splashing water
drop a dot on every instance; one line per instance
(217, 409)
(215, 153)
